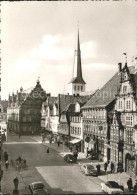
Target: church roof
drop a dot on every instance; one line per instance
(106, 94)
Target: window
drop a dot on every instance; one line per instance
(75, 87)
(128, 104)
(29, 118)
(129, 120)
(81, 87)
(24, 119)
(78, 88)
(120, 104)
(124, 89)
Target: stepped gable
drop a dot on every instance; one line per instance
(106, 94)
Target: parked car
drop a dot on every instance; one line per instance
(112, 187)
(69, 158)
(88, 169)
(37, 188)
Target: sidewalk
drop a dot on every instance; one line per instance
(121, 178)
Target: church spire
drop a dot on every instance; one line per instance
(77, 70)
(77, 84)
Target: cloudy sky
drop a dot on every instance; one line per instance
(39, 39)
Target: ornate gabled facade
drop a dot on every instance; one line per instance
(23, 112)
(122, 136)
(77, 84)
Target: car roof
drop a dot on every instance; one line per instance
(37, 183)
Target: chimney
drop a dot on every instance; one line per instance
(119, 67)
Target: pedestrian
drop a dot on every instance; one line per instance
(15, 192)
(5, 155)
(19, 160)
(1, 175)
(16, 183)
(58, 143)
(135, 188)
(75, 155)
(105, 167)
(32, 133)
(112, 167)
(98, 169)
(47, 149)
(130, 184)
(7, 164)
(87, 153)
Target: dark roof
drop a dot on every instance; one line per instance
(77, 80)
(134, 79)
(65, 100)
(106, 94)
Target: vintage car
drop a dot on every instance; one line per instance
(112, 187)
(37, 188)
(88, 169)
(69, 158)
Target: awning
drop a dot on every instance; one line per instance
(74, 141)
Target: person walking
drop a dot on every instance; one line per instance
(6, 164)
(47, 149)
(58, 144)
(112, 167)
(130, 184)
(1, 175)
(105, 167)
(98, 169)
(16, 183)
(32, 133)
(5, 155)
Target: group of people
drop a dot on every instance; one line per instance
(21, 163)
(130, 185)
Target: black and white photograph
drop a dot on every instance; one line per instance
(68, 97)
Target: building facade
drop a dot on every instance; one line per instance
(122, 136)
(23, 112)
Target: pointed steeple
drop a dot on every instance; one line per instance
(77, 70)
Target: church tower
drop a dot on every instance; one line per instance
(77, 84)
